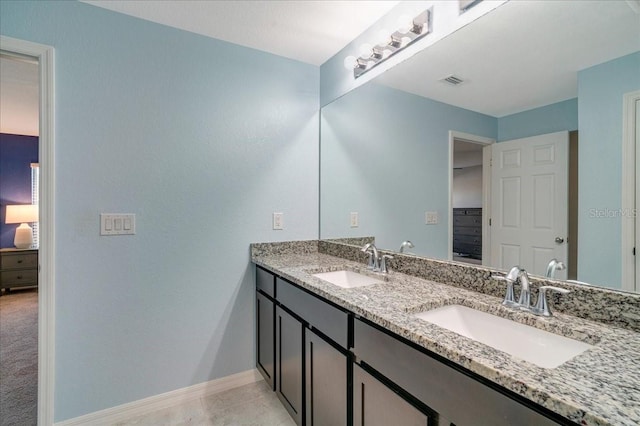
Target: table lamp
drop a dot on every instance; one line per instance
(22, 214)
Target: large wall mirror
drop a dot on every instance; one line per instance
(537, 117)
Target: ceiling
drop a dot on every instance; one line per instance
(507, 68)
(522, 55)
(19, 100)
(307, 31)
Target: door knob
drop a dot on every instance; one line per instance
(559, 240)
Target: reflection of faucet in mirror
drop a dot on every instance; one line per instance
(553, 266)
(408, 244)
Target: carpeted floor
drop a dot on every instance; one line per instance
(19, 358)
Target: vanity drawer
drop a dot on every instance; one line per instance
(18, 260)
(455, 395)
(18, 277)
(329, 320)
(265, 281)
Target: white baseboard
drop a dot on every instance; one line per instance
(158, 402)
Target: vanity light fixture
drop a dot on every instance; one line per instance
(389, 43)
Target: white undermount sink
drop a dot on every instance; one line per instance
(546, 350)
(347, 279)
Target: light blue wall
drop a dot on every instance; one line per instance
(600, 92)
(539, 121)
(385, 155)
(203, 140)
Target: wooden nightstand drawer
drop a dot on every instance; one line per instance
(12, 278)
(19, 260)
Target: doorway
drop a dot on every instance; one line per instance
(44, 56)
(469, 197)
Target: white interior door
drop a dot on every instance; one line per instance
(529, 202)
(637, 197)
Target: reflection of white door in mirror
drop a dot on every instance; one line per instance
(628, 213)
(637, 233)
(529, 203)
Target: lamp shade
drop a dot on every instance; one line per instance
(22, 213)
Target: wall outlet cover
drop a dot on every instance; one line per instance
(278, 221)
(431, 218)
(354, 220)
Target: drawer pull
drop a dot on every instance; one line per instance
(20, 261)
(19, 277)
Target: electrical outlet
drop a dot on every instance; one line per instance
(354, 219)
(431, 218)
(278, 221)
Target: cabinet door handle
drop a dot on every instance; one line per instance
(19, 277)
(19, 261)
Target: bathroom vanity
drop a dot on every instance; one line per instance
(360, 355)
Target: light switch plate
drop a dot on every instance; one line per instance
(117, 224)
(431, 218)
(278, 221)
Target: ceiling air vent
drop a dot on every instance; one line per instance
(452, 80)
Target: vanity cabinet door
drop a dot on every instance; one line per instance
(326, 382)
(374, 404)
(265, 338)
(289, 363)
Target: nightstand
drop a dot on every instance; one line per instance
(18, 268)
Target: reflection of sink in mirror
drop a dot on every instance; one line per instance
(347, 279)
(546, 350)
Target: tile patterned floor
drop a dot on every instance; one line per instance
(250, 405)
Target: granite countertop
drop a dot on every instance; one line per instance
(598, 387)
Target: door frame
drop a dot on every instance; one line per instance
(46, 255)
(630, 222)
(486, 191)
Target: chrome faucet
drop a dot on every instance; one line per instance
(553, 266)
(518, 275)
(372, 251)
(407, 244)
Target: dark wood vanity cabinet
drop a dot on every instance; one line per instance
(289, 362)
(326, 373)
(329, 367)
(265, 325)
(375, 404)
(450, 393)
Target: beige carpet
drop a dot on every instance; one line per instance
(19, 358)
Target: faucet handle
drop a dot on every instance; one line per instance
(542, 306)
(383, 263)
(509, 297)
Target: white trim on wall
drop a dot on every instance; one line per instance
(131, 410)
(46, 275)
(629, 223)
(486, 191)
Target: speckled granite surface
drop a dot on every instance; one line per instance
(593, 303)
(599, 387)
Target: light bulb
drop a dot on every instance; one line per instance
(386, 53)
(405, 40)
(350, 62)
(384, 37)
(405, 23)
(366, 50)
